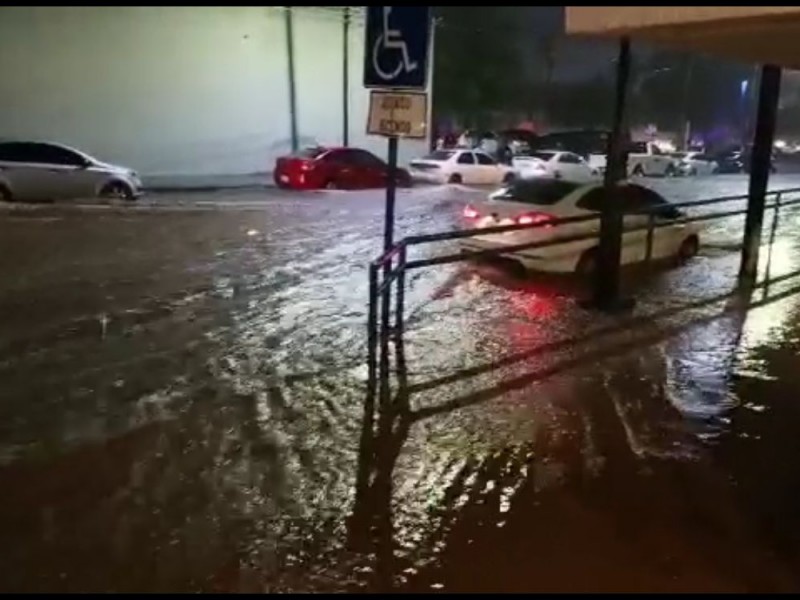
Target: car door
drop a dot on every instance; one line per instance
(343, 170)
(667, 235)
(704, 164)
(373, 171)
(25, 170)
(465, 166)
(68, 174)
(572, 167)
(489, 170)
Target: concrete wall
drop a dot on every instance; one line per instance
(178, 91)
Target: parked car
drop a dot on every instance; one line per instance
(541, 201)
(729, 162)
(695, 163)
(554, 164)
(460, 166)
(646, 158)
(51, 171)
(334, 168)
(737, 160)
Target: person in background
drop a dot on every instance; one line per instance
(465, 139)
(504, 153)
(489, 144)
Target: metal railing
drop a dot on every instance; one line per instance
(378, 334)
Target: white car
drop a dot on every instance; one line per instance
(541, 200)
(647, 159)
(554, 164)
(460, 166)
(695, 163)
(49, 171)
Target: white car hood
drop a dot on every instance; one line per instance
(113, 168)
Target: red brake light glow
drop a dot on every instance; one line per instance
(470, 213)
(534, 217)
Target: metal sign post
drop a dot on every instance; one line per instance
(395, 58)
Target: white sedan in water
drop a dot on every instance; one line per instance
(49, 171)
(460, 166)
(541, 201)
(695, 163)
(554, 164)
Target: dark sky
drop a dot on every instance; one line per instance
(577, 58)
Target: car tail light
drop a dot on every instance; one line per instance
(534, 217)
(305, 166)
(470, 213)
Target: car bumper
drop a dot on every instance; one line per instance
(428, 176)
(552, 259)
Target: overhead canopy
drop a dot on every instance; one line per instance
(754, 34)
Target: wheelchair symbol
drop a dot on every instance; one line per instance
(391, 39)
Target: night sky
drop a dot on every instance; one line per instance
(577, 59)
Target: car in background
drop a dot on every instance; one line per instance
(647, 159)
(52, 171)
(334, 168)
(591, 144)
(543, 201)
(737, 160)
(554, 164)
(466, 166)
(695, 163)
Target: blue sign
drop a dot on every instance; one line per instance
(396, 47)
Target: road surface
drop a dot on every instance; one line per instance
(182, 386)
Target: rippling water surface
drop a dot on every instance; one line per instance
(182, 391)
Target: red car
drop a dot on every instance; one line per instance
(334, 168)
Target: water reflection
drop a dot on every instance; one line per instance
(612, 489)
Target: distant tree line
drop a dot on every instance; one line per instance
(487, 64)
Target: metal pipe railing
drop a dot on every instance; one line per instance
(380, 291)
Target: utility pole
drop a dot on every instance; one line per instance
(686, 124)
(346, 78)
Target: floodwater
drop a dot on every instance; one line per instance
(182, 388)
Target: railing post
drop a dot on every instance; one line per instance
(773, 228)
(383, 361)
(399, 321)
(372, 332)
(651, 220)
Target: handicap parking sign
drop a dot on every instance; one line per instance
(396, 47)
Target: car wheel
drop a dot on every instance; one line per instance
(587, 264)
(638, 171)
(455, 178)
(688, 249)
(508, 178)
(5, 194)
(670, 171)
(117, 190)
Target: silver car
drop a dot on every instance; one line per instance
(49, 171)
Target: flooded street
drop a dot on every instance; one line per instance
(182, 386)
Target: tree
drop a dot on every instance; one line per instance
(477, 62)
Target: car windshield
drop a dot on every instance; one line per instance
(545, 156)
(309, 153)
(539, 192)
(440, 155)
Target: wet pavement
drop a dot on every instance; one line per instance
(182, 383)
